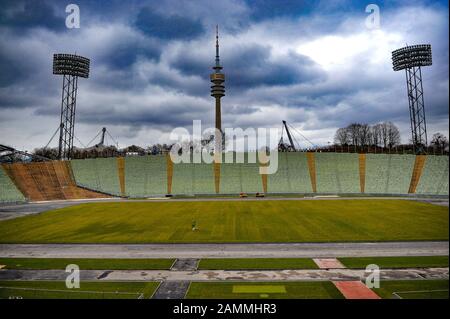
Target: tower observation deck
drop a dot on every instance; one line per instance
(217, 87)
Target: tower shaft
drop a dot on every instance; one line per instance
(218, 91)
(218, 115)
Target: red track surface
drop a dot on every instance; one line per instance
(355, 290)
(328, 263)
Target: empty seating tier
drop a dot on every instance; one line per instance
(337, 173)
(239, 173)
(434, 179)
(8, 191)
(292, 176)
(100, 174)
(47, 181)
(388, 174)
(145, 176)
(154, 176)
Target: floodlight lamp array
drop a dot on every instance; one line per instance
(412, 56)
(70, 64)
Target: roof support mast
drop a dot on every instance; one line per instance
(102, 141)
(289, 136)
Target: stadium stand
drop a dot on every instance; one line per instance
(400, 173)
(311, 159)
(434, 179)
(217, 177)
(362, 172)
(337, 173)
(193, 178)
(121, 172)
(64, 175)
(145, 176)
(264, 179)
(43, 181)
(99, 174)
(292, 176)
(169, 173)
(8, 191)
(388, 174)
(238, 178)
(417, 173)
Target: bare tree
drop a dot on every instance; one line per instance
(384, 134)
(393, 134)
(354, 133)
(341, 137)
(51, 153)
(439, 140)
(377, 134)
(364, 134)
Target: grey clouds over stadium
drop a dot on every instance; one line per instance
(312, 63)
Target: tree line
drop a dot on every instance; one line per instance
(104, 151)
(356, 137)
(384, 134)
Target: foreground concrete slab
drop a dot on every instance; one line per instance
(171, 290)
(185, 264)
(328, 263)
(225, 275)
(355, 290)
(282, 250)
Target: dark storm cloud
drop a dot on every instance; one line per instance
(153, 114)
(156, 118)
(267, 9)
(12, 70)
(251, 66)
(123, 54)
(167, 27)
(22, 15)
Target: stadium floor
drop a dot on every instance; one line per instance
(10, 211)
(278, 250)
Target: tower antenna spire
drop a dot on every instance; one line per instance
(217, 46)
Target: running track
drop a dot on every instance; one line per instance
(288, 250)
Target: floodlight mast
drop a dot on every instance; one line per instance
(71, 67)
(411, 59)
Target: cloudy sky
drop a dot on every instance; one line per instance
(312, 63)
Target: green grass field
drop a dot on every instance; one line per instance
(413, 289)
(396, 262)
(86, 263)
(87, 290)
(232, 221)
(258, 290)
(256, 263)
